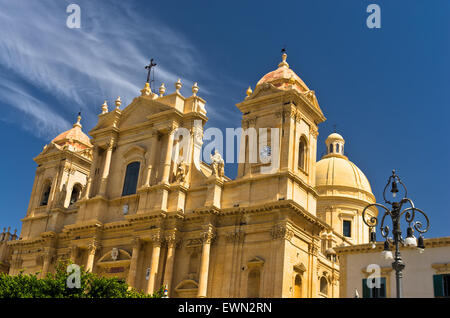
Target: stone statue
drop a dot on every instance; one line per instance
(114, 253)
(180, 174)
(217, 164)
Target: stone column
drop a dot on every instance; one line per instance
(154, 264)
(91, 256)
(73, 253)
(88, 188)
(204, 265)
(34, 192)
(47, 260)
(171, 246)
(168, 158)
(131, 279)
(313, 279)
(151, 161)
(54, 187)
(91, 177)
(106, 167)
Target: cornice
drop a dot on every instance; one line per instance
(288, 204)
(152, 215)
(342, 196)
(366, 248)
(94, 224)
(287, 173)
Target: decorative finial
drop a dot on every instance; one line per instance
(178, 85)
(77, 124)
(283, 58)
(249, 91)
(104, 108)
(162, 90)
(146, 90)
(194, 89)
(118, 102)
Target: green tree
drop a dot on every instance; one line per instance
(54, 285)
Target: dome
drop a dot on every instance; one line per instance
(337, 170)
(283, 77)
(334, 136)
(74, 137)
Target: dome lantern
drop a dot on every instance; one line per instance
(335, 144)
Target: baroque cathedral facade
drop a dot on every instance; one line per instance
(120, 205)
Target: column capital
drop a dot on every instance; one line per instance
(208, 236)
(93, 247)
(313, 131)
(110, 144)
(281, 231)
(172, 240)
(170, 129)
(156, 239)
(251, 121)
(313, 249)
(136, 242)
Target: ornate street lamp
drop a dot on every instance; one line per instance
(396, 212)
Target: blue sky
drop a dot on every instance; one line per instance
(385, 89)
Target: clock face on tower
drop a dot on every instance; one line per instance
(265, 154)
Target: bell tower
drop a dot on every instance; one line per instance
(279, 126)
(61, 176)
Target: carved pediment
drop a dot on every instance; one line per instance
(300, 268)
(115, 255)
(138, 111)
(255, 262)
(263, 90)
(187, 288)
(187, 284)
(134, 150)
(50, 148)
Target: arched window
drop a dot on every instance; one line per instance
(302, 154)
(46, 194)
(324, 285)
(131, 178)
(331, 148)
(253, 283)
(337, 148)
(76, 191)
(298, 287)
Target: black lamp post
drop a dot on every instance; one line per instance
(396, 212)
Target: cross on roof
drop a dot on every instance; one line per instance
(149, 68)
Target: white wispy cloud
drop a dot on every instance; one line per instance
(82, 67)
(38, 119)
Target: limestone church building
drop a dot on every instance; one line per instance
(120, 205)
